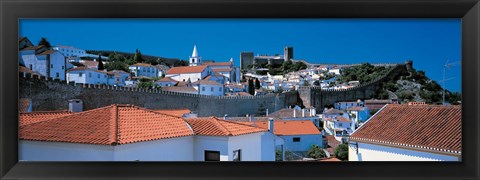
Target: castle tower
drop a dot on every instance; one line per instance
(409, 65)
(195, 60)
(288, 53)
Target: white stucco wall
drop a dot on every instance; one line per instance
(373, 152)
(306, 141)
(254, 147)
(148, 71)
(210, 143)
(88, 77)
(58, 62)
(173, 149)
(39, 64)
(211, 90)
(184, 77)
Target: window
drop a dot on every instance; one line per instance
(80, 74)
(211, 89)
(31, 67)
(57, 75)
(212, 155)
(340, 124)
(220, 89)
(63, 67)
(203, 88)
(237, 155)
(89, 74)
(193, 60)
(51, 65)
(98, 75)
(296, 139)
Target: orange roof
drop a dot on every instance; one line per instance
(110, 125)
(427, 126)
(217, 63)
(167, 79)
(142, 64)
(39, 116)
(83, 68)
(186, 69)
(208, 82)
(174, 112)
(221, 69)
(356, 108)
(289, 127)
(244, 94)
(90, 63)
(212, 126)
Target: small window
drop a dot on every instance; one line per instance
(237, 155)
(63, 67)
(211, 89)
(296, 139)
(51, 65)
(212, 155)
(98, 75)
(220, 89)
(31, 67)
(340, 124)
(80, 74)
(89, 74)
(57, 75)
(203, 88)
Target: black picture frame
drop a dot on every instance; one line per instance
(11, 11)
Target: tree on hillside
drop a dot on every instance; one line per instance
(341, 152)
(257, 84)
(44, 42)
(138, 56)
(100, 63)
(251, 87)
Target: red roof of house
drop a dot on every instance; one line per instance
(90, 63)
(174, 112)
(167, 79)
(331, 159)
(208, 82)
(186, 69)
(221, 69)
(84, 68)
(110, 125)
(212, 126)
(217, 63)
(39, 116)
(356, 108)
(333, 111)
(425, 126)
(288, 113)
(289, 127)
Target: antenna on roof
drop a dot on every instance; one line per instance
(446, 66)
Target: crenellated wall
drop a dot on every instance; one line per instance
(48, 94)
(318, 98)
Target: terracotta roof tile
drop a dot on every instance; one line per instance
(333, 111)
(174, 112)
(428, 126)
(217, 63)
(289, 127)
(221, 69)
(39, 116)
(208, 82)
(167, 79)
(84, 68)
(212, 126)
(90, 64)
(110, 125)
(186, 69)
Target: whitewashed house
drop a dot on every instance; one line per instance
(117, 77)
(131, 133)
(409, 133)
(359, 114)
(49, 63)
(143, 69)
(184, 73)
(338, 126)
(166, 81)
(343, 105)
(70, 51)
(296, 114)
(208, 87)
(87, 76)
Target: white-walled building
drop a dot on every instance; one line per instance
(70, 51)
(192, 73)
(144, 69)
(360, 114)
(296, 114)
(49, 63)
(117, 77)
(409, 133)
(86, 75)
(166, 81)
(338, 126)
(207, 87)
(131, 133)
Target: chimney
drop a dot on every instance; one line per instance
(270, 125)
(303, 112)
(266, 113)
(314, 112)
(75, 105)
(294, 113)
(225, 117)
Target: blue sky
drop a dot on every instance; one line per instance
(428, 42)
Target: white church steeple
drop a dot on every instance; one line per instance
(195, 60)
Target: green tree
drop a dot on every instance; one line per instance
(316, 152)
(100, 63)
(45, 42)
(138, 56)
(341, 152)
(251, 87)
(257, 84)
(278, 155)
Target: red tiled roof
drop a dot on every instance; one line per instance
(208, 82)
(142, 64)
(333, 111)
(110, 125)
(212, 126)
(23, 105)
(221, 69)
(167, 79)
(186, 69)
(90, 64)
(244, 94)
(173, 112)
(289, 127)
(425, 126)
(84, 68)
(217, 63)
(356, 108)
(39, 116)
